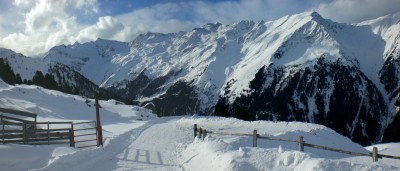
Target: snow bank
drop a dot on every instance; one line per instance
(221, 152)
(218, 155)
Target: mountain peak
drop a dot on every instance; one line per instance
(315, 15)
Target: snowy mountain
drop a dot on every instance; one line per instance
(135, 139)
(388, 28)
(297, 68)
(52, 75)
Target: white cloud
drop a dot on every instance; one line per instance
(22, 3)
(106, 28)
(46, 23)
(164, 18)
(357, 10)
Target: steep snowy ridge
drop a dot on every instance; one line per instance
(307, 79)
(67, 79)
(93, 60)
(388, 28)
(25, 66)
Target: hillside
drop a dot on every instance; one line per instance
(137, 139)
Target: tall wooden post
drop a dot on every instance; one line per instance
(3, 130)
(375, 154)
(195, 130)
(99, 129)
(204, 133)
(301, 144)
(25, 133)
(254, 138)
(200, 132)
(48, 133)
(72, 136)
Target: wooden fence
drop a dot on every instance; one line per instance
(22, 127)
(16, 130)
(202, 133)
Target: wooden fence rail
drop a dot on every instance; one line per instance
(17, 112)
(202, 133)
(85, 133)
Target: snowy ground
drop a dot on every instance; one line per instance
(136, 139)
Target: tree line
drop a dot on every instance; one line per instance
(48, 81)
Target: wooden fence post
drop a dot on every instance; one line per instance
(97, 134)
(71, 136)
(204, 133)
(24, 132)
(375, 154)
(195, 130)
(301, 144)
(3, 127)
(254, 138)
(48, 133)
(35, 124)
(99, 129)
(200, 132)
(3, 132)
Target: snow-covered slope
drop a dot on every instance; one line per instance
(50, 74)
(137, 140)
(388, 27)
(325, 73)
(93, 60)
(25, 66)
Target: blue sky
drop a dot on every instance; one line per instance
(32, 27)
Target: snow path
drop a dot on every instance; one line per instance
(90, 159)
(153, 150)
(144, 147)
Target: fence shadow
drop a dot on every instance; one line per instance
(140, 159)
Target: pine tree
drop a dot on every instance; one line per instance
(6, 72)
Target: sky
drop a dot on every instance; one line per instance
(32, 27)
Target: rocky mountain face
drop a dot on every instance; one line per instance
(388, 27)
(297, 68)
(328, 93)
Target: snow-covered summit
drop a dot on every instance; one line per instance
(388, 28)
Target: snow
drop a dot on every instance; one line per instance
(25, 66)
(388, 28)
(136, 139)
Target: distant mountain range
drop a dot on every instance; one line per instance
(297, 68)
